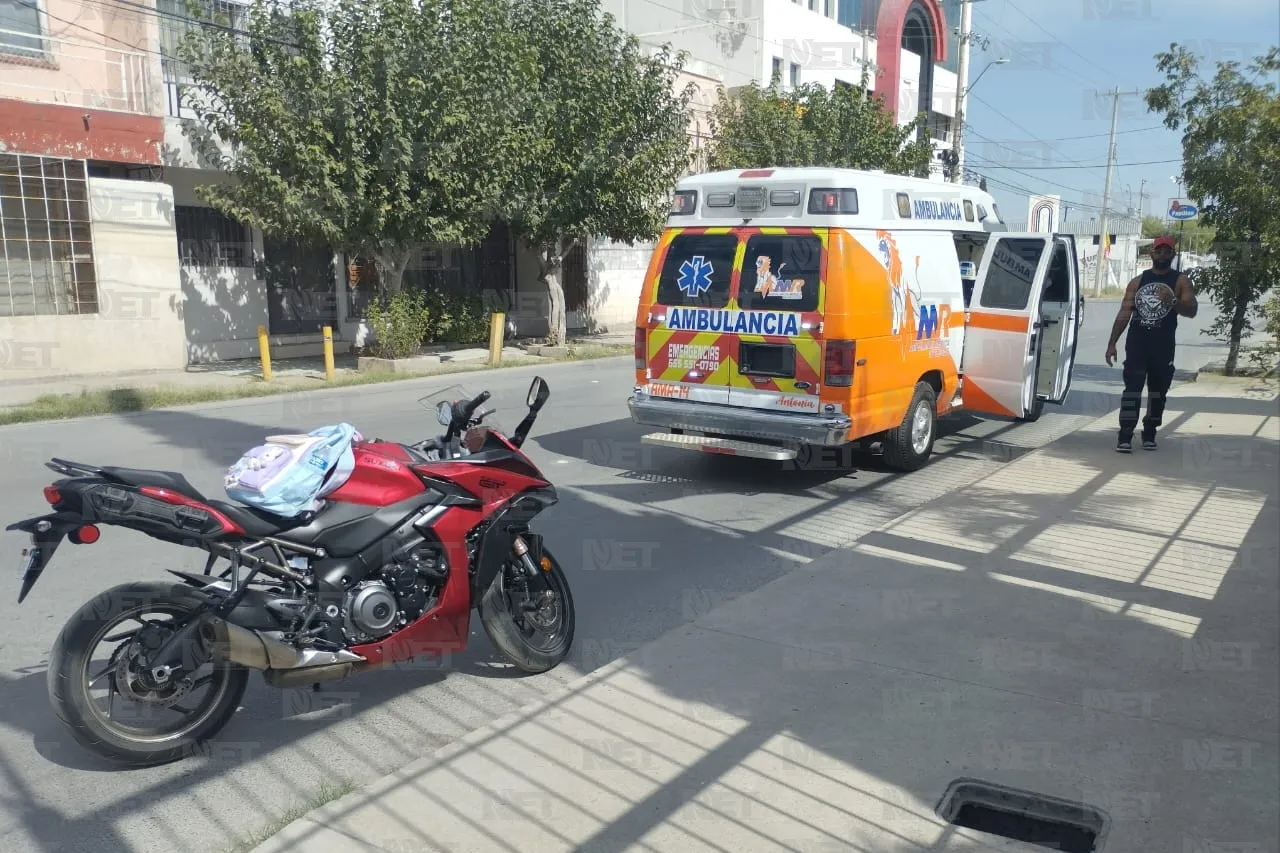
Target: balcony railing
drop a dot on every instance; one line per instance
(75, 73)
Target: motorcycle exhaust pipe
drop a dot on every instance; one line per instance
(255, 650)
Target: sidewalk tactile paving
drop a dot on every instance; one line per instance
(1210, 424)
(1226, 517)
(1092, 550)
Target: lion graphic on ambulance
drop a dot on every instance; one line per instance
(900, 291)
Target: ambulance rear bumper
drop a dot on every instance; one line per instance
(825, 430)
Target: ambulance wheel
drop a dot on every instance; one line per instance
(908, 447)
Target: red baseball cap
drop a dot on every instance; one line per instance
(1164, 241)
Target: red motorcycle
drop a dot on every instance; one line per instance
(387, 570)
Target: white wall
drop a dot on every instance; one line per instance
(223, 306)
(687, 25)
(825, 50)
(138, 325)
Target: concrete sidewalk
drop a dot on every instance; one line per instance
(297, 374)
(1085, 625)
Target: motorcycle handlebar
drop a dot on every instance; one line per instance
(471, 407)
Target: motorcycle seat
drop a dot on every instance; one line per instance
(258, 523)
(170, 480)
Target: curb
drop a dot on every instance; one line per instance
(368, 387)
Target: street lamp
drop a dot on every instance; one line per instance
(957, 149)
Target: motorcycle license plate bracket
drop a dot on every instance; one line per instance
(44, 542)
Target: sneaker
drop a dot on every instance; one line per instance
(1149, 443)
(1124, 445)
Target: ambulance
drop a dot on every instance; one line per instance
(790, 309)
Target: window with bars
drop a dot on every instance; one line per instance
(46, 238)
(209, 238)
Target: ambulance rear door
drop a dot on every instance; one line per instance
(777, 327)
(685, 358)
(1002, 328)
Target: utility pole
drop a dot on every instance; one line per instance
(1106, 189)
(962, 82)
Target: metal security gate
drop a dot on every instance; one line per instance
(301, 294)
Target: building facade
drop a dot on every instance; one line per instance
(110, 260)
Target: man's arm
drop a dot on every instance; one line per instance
(1186, 305)
(1123, 315)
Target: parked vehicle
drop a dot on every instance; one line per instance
(787, 309)
(388, 569)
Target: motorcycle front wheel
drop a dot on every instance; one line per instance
(530, 620)
(174, 719)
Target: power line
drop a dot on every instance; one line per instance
(1091, 62)
(1089, 136)
(1012, 122)
(1094, 165)
(1014, 39)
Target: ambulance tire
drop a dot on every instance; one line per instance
(899, 450)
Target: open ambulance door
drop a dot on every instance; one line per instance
(1003, 331)
(1062, 312)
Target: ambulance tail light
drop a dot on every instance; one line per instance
(684, 203)
(641, 341)
(833, 201)
(838, 367)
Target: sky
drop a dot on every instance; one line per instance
(1038, 124)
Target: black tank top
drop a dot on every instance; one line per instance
(1154, 323)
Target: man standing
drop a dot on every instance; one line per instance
(1151, 305)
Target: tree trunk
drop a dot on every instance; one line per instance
(1236, 331)
(551, 261)
(391, 265)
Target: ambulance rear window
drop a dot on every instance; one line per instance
(697, 270)
(780, 273)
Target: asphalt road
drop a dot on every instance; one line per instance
(650, 538)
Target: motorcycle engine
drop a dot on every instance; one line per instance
(403, 591)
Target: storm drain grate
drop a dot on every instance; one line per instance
(1044, 821)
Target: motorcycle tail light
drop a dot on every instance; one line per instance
(52, 495)
(86, 535)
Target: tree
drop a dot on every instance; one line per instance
(605, 142)
(814, 126)
(1195, 237)
(371, 126)
(1231, 165)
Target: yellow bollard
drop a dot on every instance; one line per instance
(264, 352)
(497, 330)
(328, 353)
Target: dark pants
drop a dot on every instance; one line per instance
(1154, 370)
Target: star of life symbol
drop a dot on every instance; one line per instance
(695, 276)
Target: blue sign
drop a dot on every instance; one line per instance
(725, 322)
(695, 276)
(1183, 210)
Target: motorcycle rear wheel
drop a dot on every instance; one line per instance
(506, 625)
(69, 680)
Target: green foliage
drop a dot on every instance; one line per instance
(367, 125)
(399, 324)
(1267, 353)
(1231, 165)
(814, 126)
(457, 319)
(1195, 237)
(604, 143)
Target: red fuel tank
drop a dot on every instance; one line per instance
(382, 476)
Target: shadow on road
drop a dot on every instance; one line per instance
(898, 688)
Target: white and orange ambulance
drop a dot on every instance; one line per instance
(787, 309)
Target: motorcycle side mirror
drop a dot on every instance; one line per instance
(539, 391)
(444, 413)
